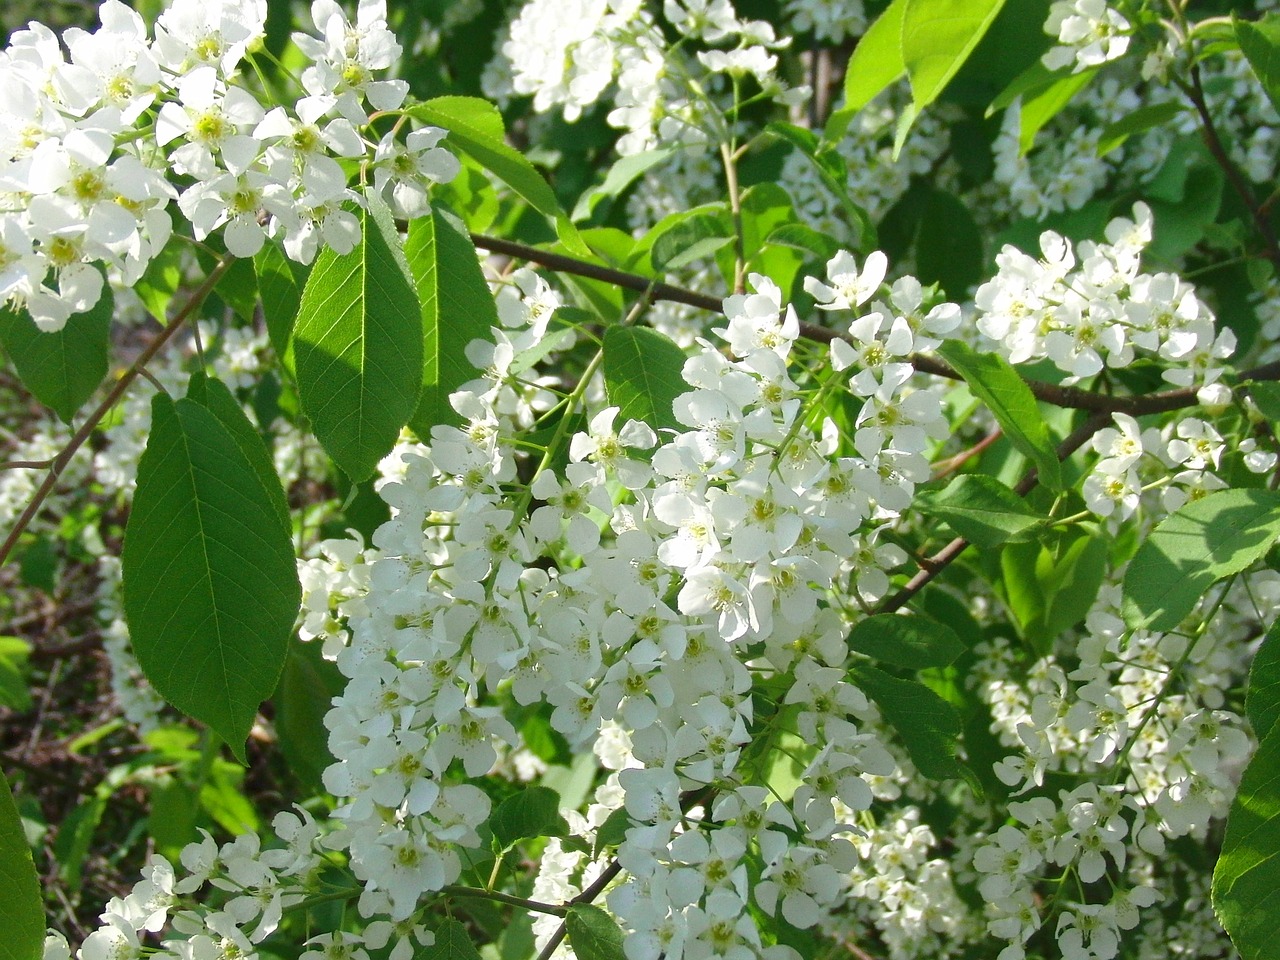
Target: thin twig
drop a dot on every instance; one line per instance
(117, 391)
(1209, 133)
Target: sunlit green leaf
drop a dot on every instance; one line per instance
(1206, 540)
(358, 346)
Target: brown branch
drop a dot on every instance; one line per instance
(117, 391)
(1071, 398)
(1209, 133)
(580, 268)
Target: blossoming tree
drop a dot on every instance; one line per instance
(808, 474)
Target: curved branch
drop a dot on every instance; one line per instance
(117, 391)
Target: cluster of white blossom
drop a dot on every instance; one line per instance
(1089, 33)
(228, 899)
(101, 128)
(626, 591)
(1092, 306)
(569, 57)
(830, 21)
(1140, 717)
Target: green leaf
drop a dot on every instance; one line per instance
(642, 375)
(213, 393)
(689, 238)
(1262, 699)
(280, 285)
(1206, 540)
(1267, 396)
(1046, 103)
(307, 686)
(1260, 43)
(358, 346)
(19, 886)
(1034, 78)
(913, 640)
(15, 691)
(593, 934)
(937, 38)
(61, 369)
(993, 381)
(614, 829)
(457, 308)
(949, 245)
(621, 175)
(1051, 587)
(210, 584)
(876, 63)
(475, 127)
(533, 812)
(453, 942)
(1139, 121)
(161, 280)
(1244, 878)
(928, 726)
(983, 511)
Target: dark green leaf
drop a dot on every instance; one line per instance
(913, 640)
(1266, 394)
(614, 829)
(691, 238)
(1262, 699)
(1244, 878)
(307, 686)
(457, 308)
(453, 942)
(19, 886)
(937, 38)
(983, 511)
(533, 812)
(214, 394)
(1260, 43)
(928, 726)
(210, 584)
(993, 381)
(949, 245)
(593, 934)
(280, 285)
(61, 369)
(358, 346)
(238, 288)
(642, 375)
(1185, 555)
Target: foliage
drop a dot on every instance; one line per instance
(517, 480)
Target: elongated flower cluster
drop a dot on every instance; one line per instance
(569, 57)
(104, 131)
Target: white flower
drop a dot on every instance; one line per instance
(849, 287)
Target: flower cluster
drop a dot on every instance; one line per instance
(569, 58)
(104, 131)
(1092, 306)
(1089, 33)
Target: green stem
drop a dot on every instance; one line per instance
(478, 894)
